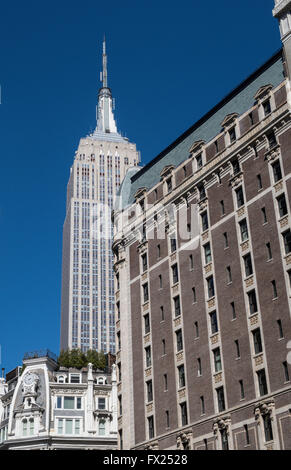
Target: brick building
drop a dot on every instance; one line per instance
(203, 276)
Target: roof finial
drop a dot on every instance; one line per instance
(104, 64)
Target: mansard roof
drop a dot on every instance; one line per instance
(238, 101)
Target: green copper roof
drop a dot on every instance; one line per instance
(238, 101)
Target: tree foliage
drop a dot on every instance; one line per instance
(76, 358)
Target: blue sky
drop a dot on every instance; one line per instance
(169, 63)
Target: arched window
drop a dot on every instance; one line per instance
(102, 427)
(61, 379)
(101, 380)
(24, 427)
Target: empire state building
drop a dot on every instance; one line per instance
(100, 164)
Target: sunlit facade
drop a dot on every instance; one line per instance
(101, 161)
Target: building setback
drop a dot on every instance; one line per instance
(101, 161)
(202, 251)
(48, 407)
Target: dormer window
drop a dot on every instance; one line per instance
(199, 162)
(232, 135)
(267, 107)
(169, 185)
(62, 379)
(75, 378)
(101, 380)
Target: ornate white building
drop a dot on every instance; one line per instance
(101, 161)
(47, 407)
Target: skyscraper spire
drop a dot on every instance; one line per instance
(104, 74)
(106, 125)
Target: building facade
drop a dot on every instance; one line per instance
(47, 407)
(202, 251)
(102, 158)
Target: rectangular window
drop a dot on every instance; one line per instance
(69, 403)
(258, 348)
(282, 205)
(222, 208)
(247, 434)
(179, 340)
(173, 245)
(264, 214)
(235, 166)
(162, 313)
(233, 310)
(268, 428)
(263, 389)
(210, 287)
(259, 181)
(151, 427)
(248, 265)
(169, 185)
(266, 107)
(149, 385)
(217, 360)
(147, 325)
(225, 240)
(286, 371)
(199, 367)
(101, 403)
(204, 221)
(196, 329)
(280, 328)
(177, 306)
(191, 262)
(163, 347)
(158, 251)
(213, 322)
(167, 419)
(252, 302)
(244, 230)
(68, 426)
(194, 295)
(269, 251)
(165, 382)
(242, 391)
(202, 193)
(239, 197)
(207, 253)
(251, 118)
(75, 378)
(220, 399)
(148, 356)
(271, 139)
(236, 342)
(160, 281)
(275, 292)
(232, 135)
(145, 292)
(287, 241)
(199, 161)
(228, 271)
(181, 374)
(101, 427)
(202, 405)
(184, 417)
(175, 274)
(144, 259)
(277, 173)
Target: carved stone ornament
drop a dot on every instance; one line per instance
(221, 424)
(264, 408)
(273, 153)
(152, 446)
(236, 180)
(184, 440)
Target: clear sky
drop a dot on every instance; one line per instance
(169, 62)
